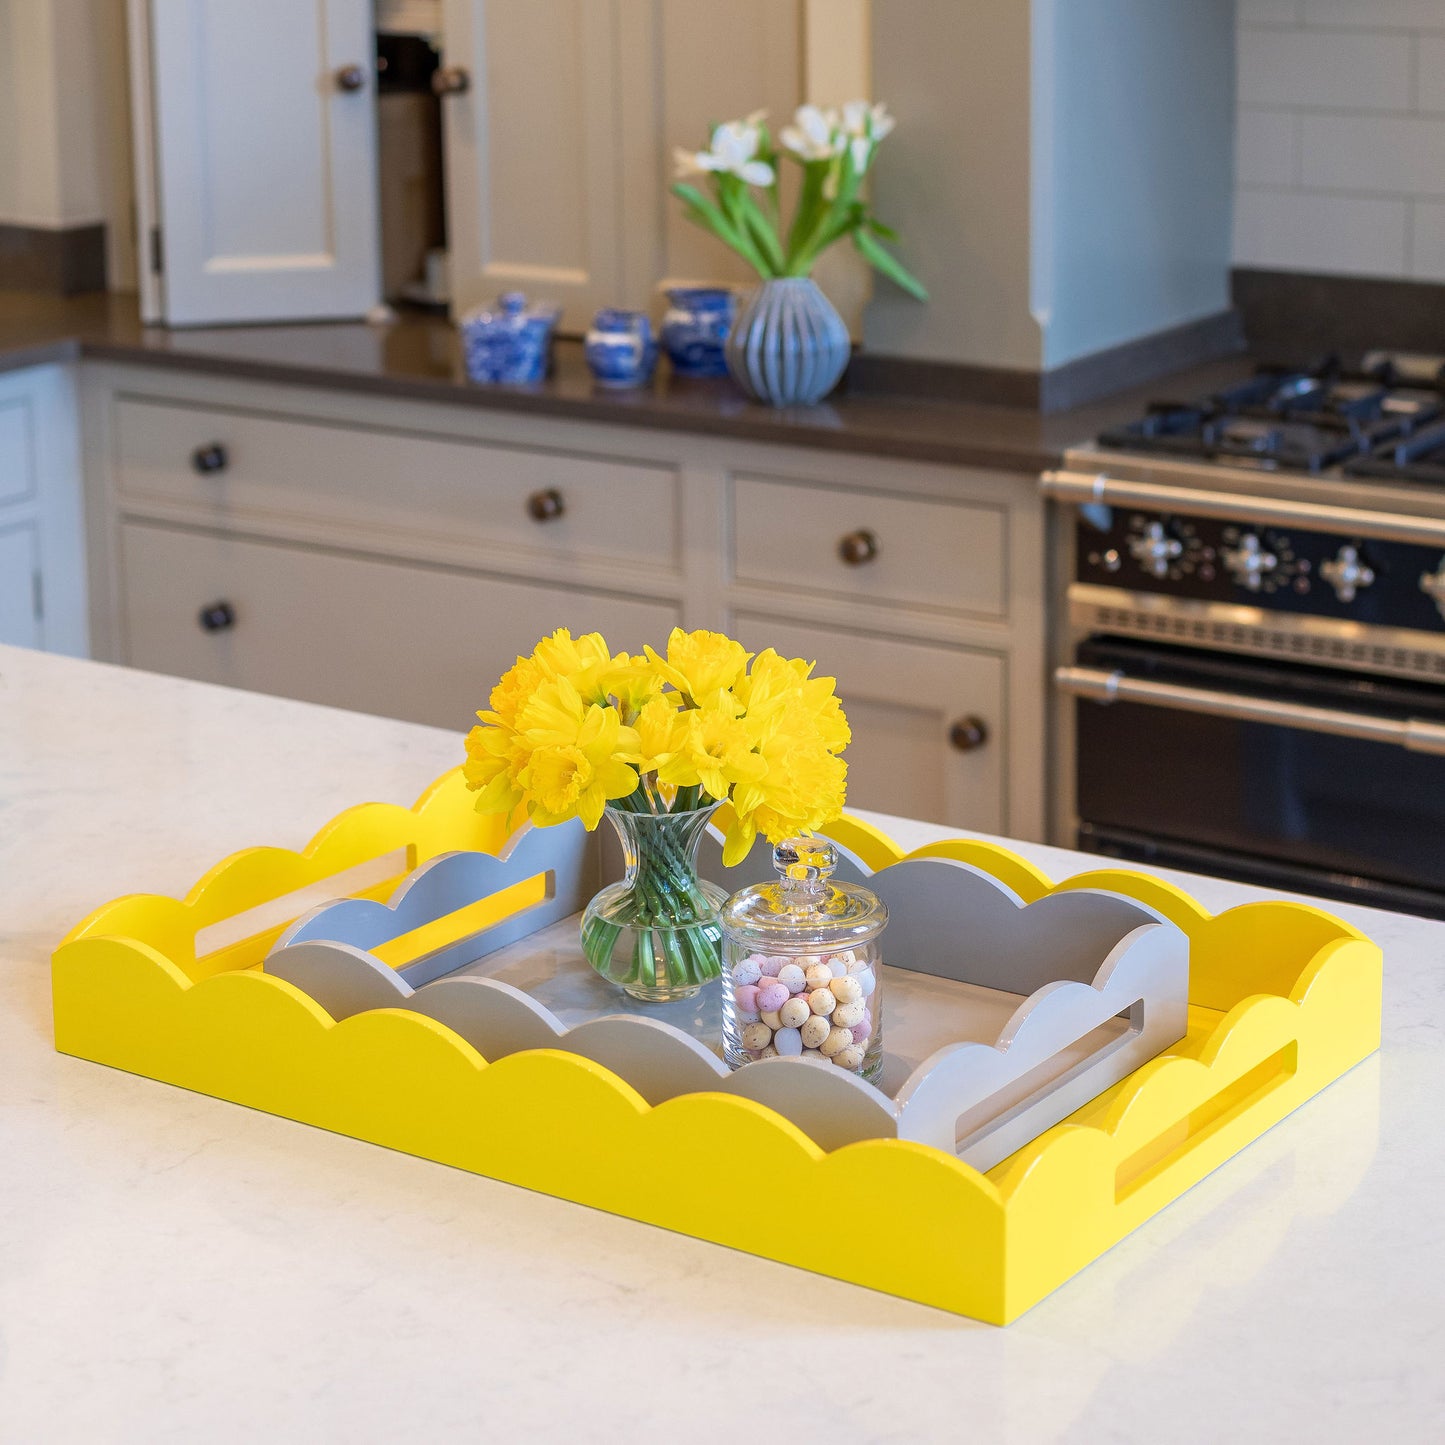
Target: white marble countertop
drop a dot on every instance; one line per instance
(173, 1267)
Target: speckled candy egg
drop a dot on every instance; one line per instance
(796, 1012)
(822, 1001)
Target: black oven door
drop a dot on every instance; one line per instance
(1291, 801)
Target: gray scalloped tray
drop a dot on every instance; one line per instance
(1000, 1018)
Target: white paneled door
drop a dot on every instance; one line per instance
(264, 123)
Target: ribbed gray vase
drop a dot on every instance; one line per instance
(788, 346)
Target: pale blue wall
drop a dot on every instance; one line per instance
(1132, 155)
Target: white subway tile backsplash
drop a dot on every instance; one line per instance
(1382, 155)
(1430, 70)
(1324, 68)
(1427, 253)
(1375, 14)
(1341, 235)
(1265, 148)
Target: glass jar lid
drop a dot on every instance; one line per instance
(803, 909)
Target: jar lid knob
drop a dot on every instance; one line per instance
(805, 860)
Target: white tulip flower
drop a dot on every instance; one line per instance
(813, 136)
(734, 152)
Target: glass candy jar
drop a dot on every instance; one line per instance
(801, 965)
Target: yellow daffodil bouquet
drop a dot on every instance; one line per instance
(656, 743)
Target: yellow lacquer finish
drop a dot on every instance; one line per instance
(1284, 999)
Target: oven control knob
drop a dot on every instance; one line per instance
(1432, 584)
(1249, 564)
(1154, 549)
(1347, 574)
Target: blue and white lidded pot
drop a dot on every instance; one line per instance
(510, 341)
(695, 327)
(620, 348)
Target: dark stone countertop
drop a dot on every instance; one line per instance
(419, 358)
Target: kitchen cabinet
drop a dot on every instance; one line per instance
(256, 148)
(42, 536)
(394, 556)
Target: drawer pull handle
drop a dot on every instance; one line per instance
(546, 506)
(858, 547)
(451, 80)
(968, 733)
(216, 617)
(209, 459)
(350, 78)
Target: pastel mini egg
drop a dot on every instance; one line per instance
(815, 1031)
(821, 1001)
(746, 1018)
(836, 1042)
(757, 1036)
(748, 970)
(846, 990)
(812, 1056)
(746, 997)
(768, 1053)
(772, 996)
(863, 1032)
(849, 1058)
(819, 975)
(776, 963)
(788, 1042)
(856, 964)
(792, 978)
(866, 982)
(771, 1019)
(846, 1015)
(837, 967)
(796, 1012)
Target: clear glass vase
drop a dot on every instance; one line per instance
(656, 934)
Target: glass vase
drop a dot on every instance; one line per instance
(656, 934)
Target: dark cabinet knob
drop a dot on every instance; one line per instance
(217, 617)
(451, 80)
(968, 733)
(210, 458)
(858, 547)
(350, 78)
(546, 506)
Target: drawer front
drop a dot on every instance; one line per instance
(404, 641)
(905, 701)
(900, 550)
(19, 625)
(264, 467)
(17, 450)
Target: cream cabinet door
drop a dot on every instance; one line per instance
(930, 734)
(19, 572)
(264, 123)
(419, 643)
(532, 160)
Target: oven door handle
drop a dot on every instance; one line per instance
(1079, 488)
(1098, 685)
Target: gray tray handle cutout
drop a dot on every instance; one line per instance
(957, 922)
(451, 881)
(984, 1101)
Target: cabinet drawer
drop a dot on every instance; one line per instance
(905, 701)
(392, 483)
(405, 641)
(904, 550)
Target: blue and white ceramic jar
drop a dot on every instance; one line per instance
(620, 348)
(510, 341)
(695, 328)
(789, 346)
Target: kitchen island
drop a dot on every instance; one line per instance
(175, 1267)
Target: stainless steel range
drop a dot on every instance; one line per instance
(1257, 633)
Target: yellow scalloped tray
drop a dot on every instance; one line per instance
(1284, 999)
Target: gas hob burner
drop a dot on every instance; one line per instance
(1304, 420)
